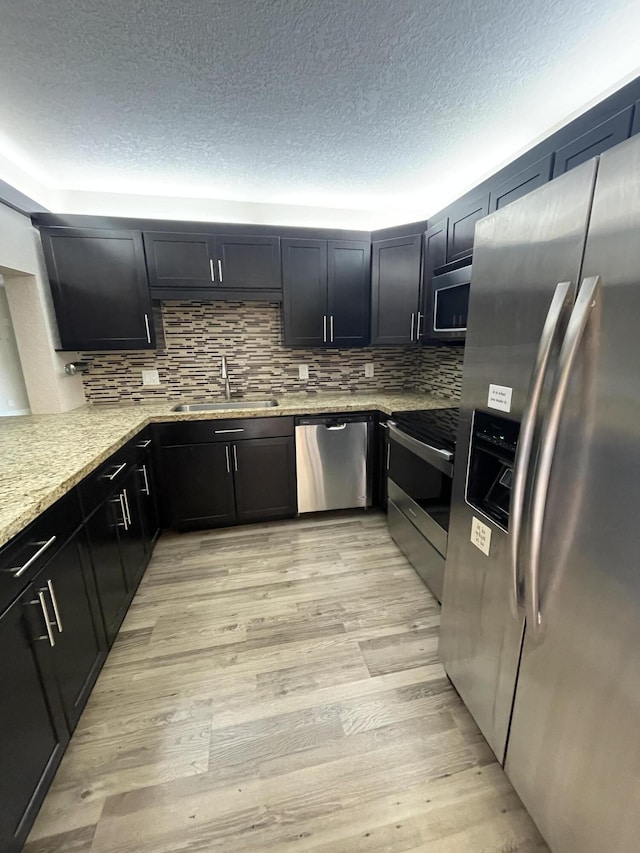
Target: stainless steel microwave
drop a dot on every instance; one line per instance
(450, 304)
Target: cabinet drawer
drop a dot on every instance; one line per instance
(100, 483)
(236, 429)
(29, 551)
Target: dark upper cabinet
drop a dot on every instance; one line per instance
(80, 646)
(463, 216)
(34, 733)
(108, 572)
(612, 131)
(199, 485)
(434, 255)
(212, 266)
(326, 292)
(305, 298)
(349, 292)
(99, 288)
(635, 126)
(180, 261)
(265, 478)
(395, 277)
(520, 184)
(248, 263)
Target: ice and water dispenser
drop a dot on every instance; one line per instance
(493, 450)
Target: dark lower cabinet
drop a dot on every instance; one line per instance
(210, 481)
(80, 647)
(145, 487)
(131, 533)
(264, 477)
(32, 727)
(108, 572)
(199, 485)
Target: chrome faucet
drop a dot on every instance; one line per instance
(225, 376)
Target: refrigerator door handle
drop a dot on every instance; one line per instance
(561, 300)
(587, 298)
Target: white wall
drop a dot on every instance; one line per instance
(13, 391)
(29, 298)
(210, 210)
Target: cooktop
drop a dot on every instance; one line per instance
(437, 427)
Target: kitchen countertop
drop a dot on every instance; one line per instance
(44, 456)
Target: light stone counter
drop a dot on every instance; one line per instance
(43, 456)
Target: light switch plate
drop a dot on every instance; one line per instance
(150, 377)
(368, 370)
(303, 371)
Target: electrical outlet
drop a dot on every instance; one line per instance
(303, 371)
(368, 370)
(150, 377)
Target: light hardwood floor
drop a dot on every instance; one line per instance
(277, 688)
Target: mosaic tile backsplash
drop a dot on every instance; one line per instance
(249, 334)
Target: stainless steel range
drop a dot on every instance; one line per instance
(420, 469)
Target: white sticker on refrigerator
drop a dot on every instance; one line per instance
(500, 397)
(481, 535)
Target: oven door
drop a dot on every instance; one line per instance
(420, 485)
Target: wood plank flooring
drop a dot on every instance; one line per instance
(277, 688)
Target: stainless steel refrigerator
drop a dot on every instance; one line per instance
(541, 608)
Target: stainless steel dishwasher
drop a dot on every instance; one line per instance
(332, 459)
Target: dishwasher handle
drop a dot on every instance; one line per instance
(337, 426)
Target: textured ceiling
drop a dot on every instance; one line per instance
(355, 103)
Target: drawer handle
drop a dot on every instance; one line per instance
(411, 512)
(20, 570)
(222, 431)
(116, 472)
(144, 444)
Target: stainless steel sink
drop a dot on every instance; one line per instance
(226, 404)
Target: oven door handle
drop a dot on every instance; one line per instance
(438, 456)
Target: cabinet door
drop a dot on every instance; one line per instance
(181, 261)
(80, 646)
(462, 226)
(248, 263)
(349, 292)
(99, 287)
(304, 282)
(131, 534)
(199, 485)
(147, 503)
(395, 290)
(32, 730)
(612, 131)
(434, 256)
(108, 572)
(523, 182)
(264, 474)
